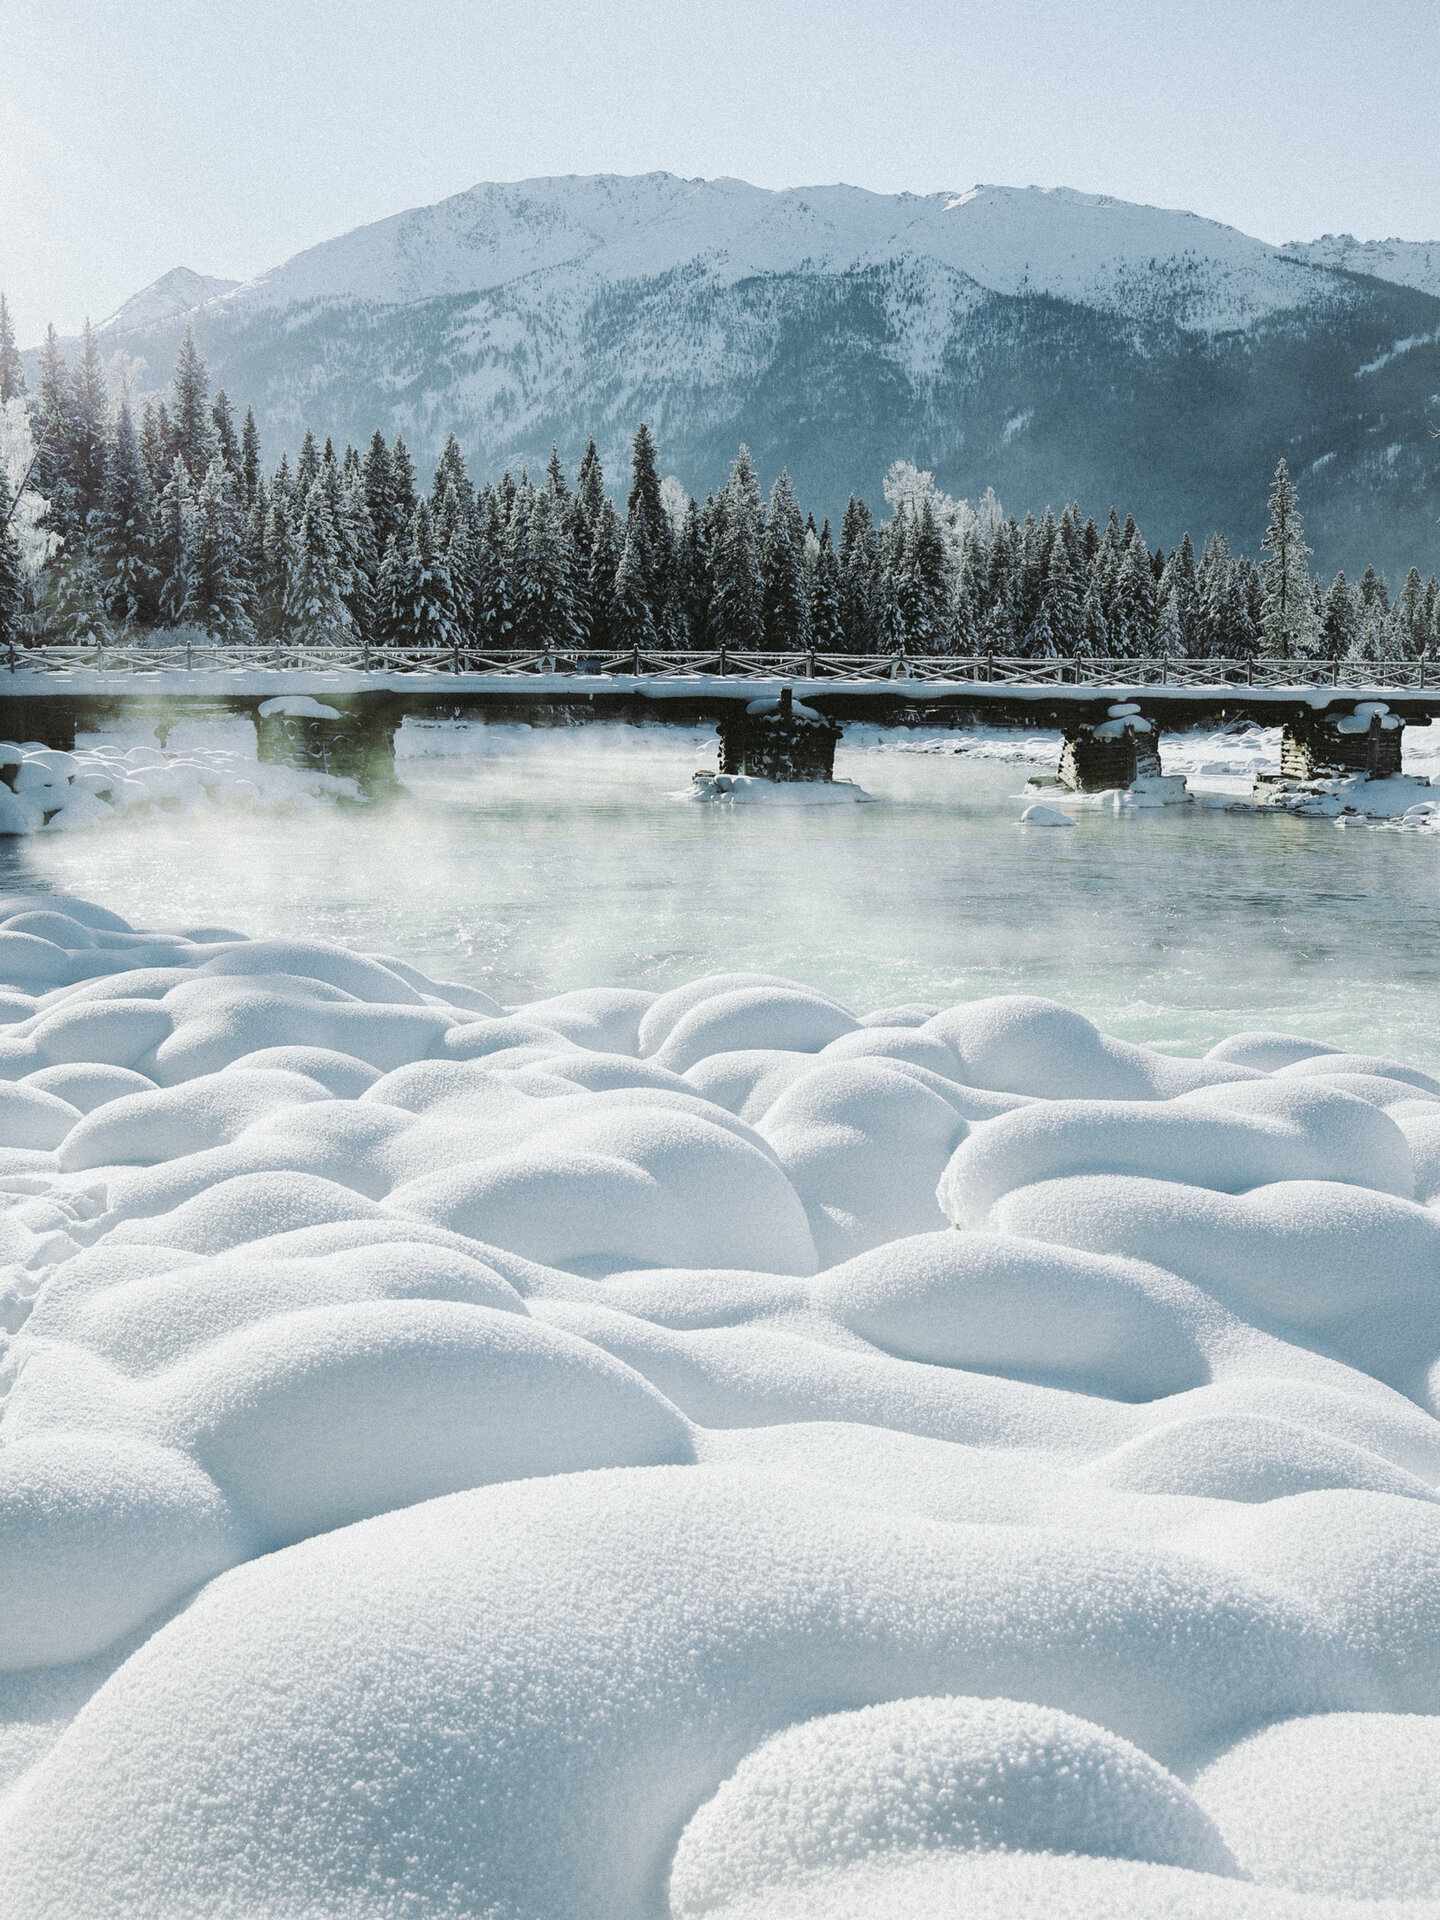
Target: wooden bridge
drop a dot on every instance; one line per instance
(1337, 717)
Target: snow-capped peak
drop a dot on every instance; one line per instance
(179, 291)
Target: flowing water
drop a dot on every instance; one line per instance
(527, 862)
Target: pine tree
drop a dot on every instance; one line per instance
(450, 470)
(1412, 610)
(417, 609)
(12, 368)
(1064, 600)
(785, 610)
(924, 586)
(175, 548)
(607, 542)
(738, 593)
(859, 562)
(307, 467)
(379, 480)
(279, 555)
(826, 632)
(315, 611)
(555, 473)
(1288, 618)
(633, 578)
(403, 495)
(90, 421)
(54, 426)
(250, 468)
(1180, 600)
(1134, 610)
(192, 429)
(491, 607)
(644, 506)
(227, 441)
(220, 599)
(1340, 621)
(125, 531)
(12, 580)
(357, 541)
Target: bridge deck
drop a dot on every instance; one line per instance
(637, 683)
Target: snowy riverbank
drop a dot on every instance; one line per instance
(428, 1428)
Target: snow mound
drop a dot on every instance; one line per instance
(931, 1775)
(708, 1452)
(45, 790)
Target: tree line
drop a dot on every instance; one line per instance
(171, 524)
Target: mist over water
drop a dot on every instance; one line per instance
(531, 861)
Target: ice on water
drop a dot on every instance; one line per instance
(718, 1451)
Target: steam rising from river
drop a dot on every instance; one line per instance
(529, 861)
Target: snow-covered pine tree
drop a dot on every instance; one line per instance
(124, 534)
(924, 584)
(1133, 608)
(315, 611)
(12, 368)
(12, 579)
(1094, 637)
(653, 551)
(220, 589)
(175, 548)
(192, 431)
(281, 527)
(1340, 621)
(786, 611)
(826, 633)
(227, 441)
(1288, 617)
(54, 427)
(607, 541)
(555, 473)
(1001, 590)
(1064, 597)
(420, 608)
(633, 578)
(1412, 611)
(554, 607)
(379, 490)
(491, 606)
(404, 495)
(250, 467)
(357, 538)
(737, 600)
(90, 418)
(451, 470)
(307, 466)
(859, 564)
(1179, 589)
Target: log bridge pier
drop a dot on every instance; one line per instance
(780, 725)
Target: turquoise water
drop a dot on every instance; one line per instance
(528, 862)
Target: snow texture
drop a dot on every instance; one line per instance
(640, 1456)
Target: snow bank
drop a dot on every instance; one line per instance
(564, 1461)
(44, 789)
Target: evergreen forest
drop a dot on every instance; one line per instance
(170, 527)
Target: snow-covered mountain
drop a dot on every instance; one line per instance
(1053, 344)
(178, 292)
(1409, 263)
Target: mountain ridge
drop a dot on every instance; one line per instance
(1052, 343)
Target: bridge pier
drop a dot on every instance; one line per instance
(1115, 752)
(1326, 747)
(355, 741)
(779, 740)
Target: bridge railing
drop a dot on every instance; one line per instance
(647, 663)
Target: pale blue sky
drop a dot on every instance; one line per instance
(137, 135)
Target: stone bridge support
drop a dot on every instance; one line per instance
(1114, 752)
(352, 739)
(779, 740)
(1330, 747)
